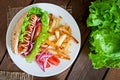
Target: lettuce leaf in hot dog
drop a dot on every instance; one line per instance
(26, 22)
(42, 36)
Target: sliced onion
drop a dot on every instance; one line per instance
(43, 56)
(43, 59)
(33, 32)
(30, 46)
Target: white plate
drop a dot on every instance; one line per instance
(33, 68)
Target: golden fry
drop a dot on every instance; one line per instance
(57, 34)
(51, 43)
(52, 38)
(60, 37)
(53, 51)
(75, 40)
(61, 55)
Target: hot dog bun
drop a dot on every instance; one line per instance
(16, 32)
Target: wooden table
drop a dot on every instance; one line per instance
(81, 68)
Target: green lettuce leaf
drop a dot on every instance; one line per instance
(26, 22)
(41, 38)
(104, 19)
(105, 48)
(36, 49)
(35, 10)
(104, 13)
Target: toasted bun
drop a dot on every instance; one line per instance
(15, 34)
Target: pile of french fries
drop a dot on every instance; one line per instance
(59, 39)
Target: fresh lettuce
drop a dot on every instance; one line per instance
(104, 13)
(26, 22)
(24, 25)
(35, 10)
(36, 48)
(104, 19)
(41, 38)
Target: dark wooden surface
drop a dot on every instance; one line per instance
(4, 7)
(81, 69)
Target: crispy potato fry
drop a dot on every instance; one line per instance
(51, 43)
(69, 29)
(60, 36)
(61, 55)
(52, 23)
(58, 21)
(57, 34)
(65, 30)
(43, 45)
(52, 51)
(68, 46)
(52, 38)
(63, 51)
(61, 39)
(74, 39)
(64, 45)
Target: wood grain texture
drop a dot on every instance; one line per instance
(80, 12)
(57, 2)
(60, 76)
(4, 7)
(83, 70)
(113, 74)
(6, 75)
(8, 65)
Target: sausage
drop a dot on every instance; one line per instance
(23, 46)
(37, 31)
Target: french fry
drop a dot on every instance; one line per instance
(52, 38)
(63, 51)
(52, 24)
(59, 21)
(57, 34)
(68, 46)
(61, 39)
(51, 43)
(65, 30)
(75, 40)
(61, 55)
(52, 51)
(70, 31)
(68, 38)
(64, 45)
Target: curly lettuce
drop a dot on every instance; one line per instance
(42, 36)
(104, 19)
(26, 22)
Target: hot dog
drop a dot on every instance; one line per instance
(29, 32)
(23, 46)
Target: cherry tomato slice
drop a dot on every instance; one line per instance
(47, 65)
(54, 60)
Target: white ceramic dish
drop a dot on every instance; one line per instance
(33, 68)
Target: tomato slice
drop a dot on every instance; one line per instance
(54, 60)
(47, 65)
(37, 31)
